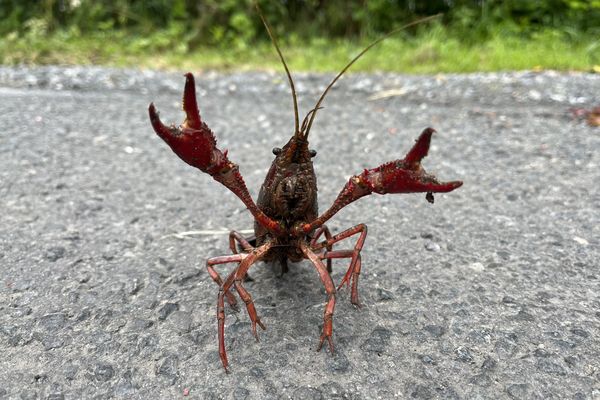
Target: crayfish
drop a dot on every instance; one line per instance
(287, 225)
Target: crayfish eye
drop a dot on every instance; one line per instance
(312, 153)
(276, 150)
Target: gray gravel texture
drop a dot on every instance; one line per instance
(492, 292)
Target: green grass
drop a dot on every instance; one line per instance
(432, 52)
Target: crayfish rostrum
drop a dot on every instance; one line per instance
(287, 223)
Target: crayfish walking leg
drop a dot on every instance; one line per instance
(211, 262)
(323, 230)
(330, 289)
(235, 278)
(247, 299)
(353, 272)
(235, 236)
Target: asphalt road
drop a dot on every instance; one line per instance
(492, 292)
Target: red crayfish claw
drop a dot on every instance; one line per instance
(399, 176)
(192, 141)
(407, 175)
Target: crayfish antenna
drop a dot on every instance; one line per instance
(339, 75)
(287, 71)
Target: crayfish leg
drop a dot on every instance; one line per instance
(235, 278)
(330, 289)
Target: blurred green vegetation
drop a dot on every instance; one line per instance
(315, 34)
